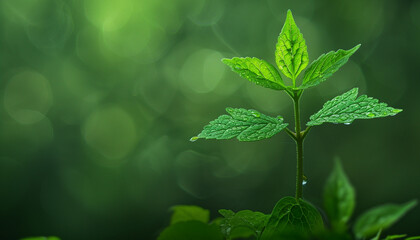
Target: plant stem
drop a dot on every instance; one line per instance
(299, 146)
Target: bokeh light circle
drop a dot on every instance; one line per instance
(28, 97)
(111, 131)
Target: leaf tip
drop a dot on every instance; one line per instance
(193, 139)
(396, 110)
(226, 60)
(412, 203)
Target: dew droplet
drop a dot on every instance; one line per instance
(193, 139)
(370, 114)
(305, 180)
(256, 114)
(347, 123)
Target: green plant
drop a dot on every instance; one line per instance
(293, 217)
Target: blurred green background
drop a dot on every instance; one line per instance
(99, 99)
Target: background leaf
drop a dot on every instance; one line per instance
(242, 224)
(257, 71)
(187, 213)
(291, 215)
(325, 66)
(291, 50)
(380, 217)
(245, 125)
(191, 230)
(346, 108)
(339, 198)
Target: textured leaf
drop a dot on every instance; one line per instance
(242, 224)
(339, 198)
(187, 213)
(291, 50)
(257, 71)
(325, 66)
(380, 217)
(346, 108)
(245, 125)
(191, 230)
(290, 214)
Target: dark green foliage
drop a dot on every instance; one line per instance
(242, 224)
(41, 238)
(380, 217)
(294, 215)
(339, 198)
(187, 213)
(191, 230)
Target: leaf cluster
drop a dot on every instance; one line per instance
(292, 59)
(292, 219)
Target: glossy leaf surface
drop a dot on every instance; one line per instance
(347, 107)
(245, 125)
(257, 71)
(325, 66)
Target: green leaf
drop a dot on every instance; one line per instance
(325, 66)
(41, 238)
(291, 50)
(289, 214)
(242, 224)
(378, 235)
(190, 230)
(339, 198)
(380, 217)
(187, 213)
(346, 108)
(391, 237)
(413, 238)
(257, 71)
(245, 125)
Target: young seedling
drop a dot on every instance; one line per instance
(292, 58)
(292, 217)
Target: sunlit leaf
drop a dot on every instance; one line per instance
(380, 217)
(257, 71)
(245, 125)
(187, 213)
(291, 50)
(346, 108)
(325, 66)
